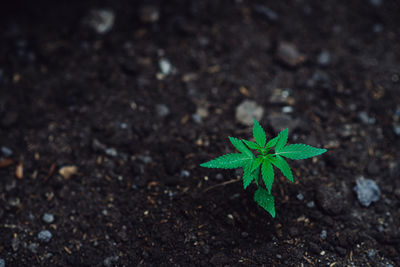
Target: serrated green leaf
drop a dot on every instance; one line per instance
(267, 174)
(272, 142)
(256, 163)
(228, 161)
(282, 165)
(251, 145)
(247, 174)
(265, 200)
(259, 134)
(238, 144)
(282, 139)
(256, 175)
(300, 151)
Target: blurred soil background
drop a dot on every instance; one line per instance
(107, 108)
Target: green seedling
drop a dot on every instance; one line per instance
(259, 167)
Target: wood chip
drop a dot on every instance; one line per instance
(68, 250)
(19, 171)
(6, 162)
(68, 171)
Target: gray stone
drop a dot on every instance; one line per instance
(45, 236)
(247, 111)
(48, 218)
(289, 55)
(15, 242)
(201, 113)
(268, 13)
(280, 96)
(14, 201)
(2, 263)
(33, 247)
(162, 110)
(321, 78)
(6, 151)
(109, 261)
(323, 234)
(98, 146)
(367, 191)
(196, 118)
(111, 152)
(185, 173)
(396, 129)
(311, 204)
(287, 109)
(146, 159)
(300, 196)
(101, 20)
(165, 66)
(324, 58)
(363, 116)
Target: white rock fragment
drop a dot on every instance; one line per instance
(165, 67)
(247, 111)
(367, 191)
(101, 20)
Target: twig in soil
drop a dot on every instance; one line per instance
(222, 184)
(51, 171)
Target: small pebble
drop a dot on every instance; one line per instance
(289, 55)
(15, 243)
(311, 204)
(396, 129)
(6, 151)
(363, 116)
(268, 13)
(101, 20)
(48, 218)
(185, 173)
(14, 201)
(196, 118)
(278, 256)
(300, 196)
(324, 58)
(323, 234)
(165, 67)
(287, 109)
(162, 110)
(247, 111)
(367, 191)
(109, 261)
(33, 247)
(44, 236)
(371, 253)
(111, 152)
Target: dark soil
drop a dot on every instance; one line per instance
(72, 97)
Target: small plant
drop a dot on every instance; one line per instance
(259, 167)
